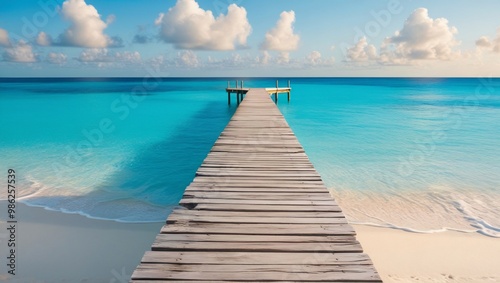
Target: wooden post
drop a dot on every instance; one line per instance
(289, 88)
(242, 84)
(276, 94)
(227, 84)
(228, 98)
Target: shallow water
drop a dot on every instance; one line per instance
(413, 154)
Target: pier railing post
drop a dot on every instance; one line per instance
(289, 89)
(242, 92)
(276, 94)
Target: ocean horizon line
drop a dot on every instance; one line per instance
(225, 78)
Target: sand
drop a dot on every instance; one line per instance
(401, 256)
(57, 247)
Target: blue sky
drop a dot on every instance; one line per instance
(249, 38)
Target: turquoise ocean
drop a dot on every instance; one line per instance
(420, 155)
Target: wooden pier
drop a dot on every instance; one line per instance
(257, 211)
(240, 91)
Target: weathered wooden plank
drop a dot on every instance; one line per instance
(257, 156)
(255, 150)
(254, 135)
(256, 258)
(275, 191)
(270, 173)
(274, 124)
(259, 229)
(269, 208)
(248, 181)
(257, 165)
(258, 273)
(286, 186)
(258, 214)
(258, 202)
(256, 159)
(319, 240)
(255, 247)
(260, 195)
(258, 220)
(260, 174)
(258, 143)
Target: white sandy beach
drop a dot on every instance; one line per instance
(57, 247)
(440, 257)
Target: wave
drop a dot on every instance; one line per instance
(435, 210)
(137, 213)
(115, 205)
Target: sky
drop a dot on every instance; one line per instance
(249, 38)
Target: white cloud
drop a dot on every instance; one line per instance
(282, 36)
(103, 57)
(264, 58)
(4, 38)
(21, 53)
(314, 58)
(57, 58)
(158, 62)
(187, 59)
(485, 43)
(87, 27)
(283, 58)
(234, 61)
(128, 56)
(43, 39)
(361, 51)
(421, 38)
(94, 55)
(188, 26)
